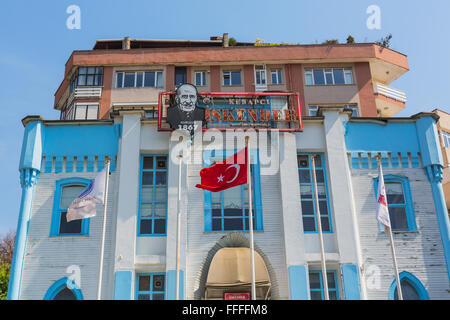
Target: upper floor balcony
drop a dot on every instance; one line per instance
(84, 93)
(389, 101)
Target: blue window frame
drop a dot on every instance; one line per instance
(276, 76)
(66, 191)
(307, 197)
(400, 204)
(150, 286)
(316, 288)
(153, 192)
(200, 78)
(412, 288)
(228, 210)
(60, 290)
(231, 78)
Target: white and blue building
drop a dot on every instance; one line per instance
(54, 259)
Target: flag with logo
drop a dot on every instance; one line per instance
(382, 206)
(225, 174)
(84, 206)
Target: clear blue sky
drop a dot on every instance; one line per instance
(35, 45)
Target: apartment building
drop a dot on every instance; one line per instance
(330, 103)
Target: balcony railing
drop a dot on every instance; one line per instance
(84, 92)
(389, 92)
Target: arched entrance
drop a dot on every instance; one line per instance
(227, 269)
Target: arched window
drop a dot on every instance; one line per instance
(60, 291)
(66, 191)
(412, 288)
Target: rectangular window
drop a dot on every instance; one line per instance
(312, 110)
(260, 75)
(231, 78)
(316, 287)
(82, 111)
(139, 79)
(445, 139)
(328, 76)
(276, 76)
(307, 196)
(200, 78)
(153, 195)
(150, 286)
(87, 76)
(228, 210)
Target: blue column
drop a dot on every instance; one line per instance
(171, 287)
(29, 167)
(430, 151)
(350, 278)
(123, 280)
(298, 282)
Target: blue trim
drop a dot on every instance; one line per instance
(409, 205)
(154, 170)
(298, 282)
(56, 213)
(171, 285)
(414, 281)
(336, 289)
(324, 168)
(122, 285)
(59, 285)
(150, 291)
(350, 279)
(257, 197)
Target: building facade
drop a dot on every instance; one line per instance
(444, 138)
(111, 106)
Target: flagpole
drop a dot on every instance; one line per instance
(180, 157)
(100, 272)
(319, 228)
(391, 238)
(250, 217)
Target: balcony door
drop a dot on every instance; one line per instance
(260, 78)
(180, 76)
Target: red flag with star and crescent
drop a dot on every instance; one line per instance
(225, 174)
(382, 206)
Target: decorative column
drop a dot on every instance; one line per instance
(433, 164)
(29, 167)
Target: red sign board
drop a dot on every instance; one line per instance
(237, 296)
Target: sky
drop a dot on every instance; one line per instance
(35, 44)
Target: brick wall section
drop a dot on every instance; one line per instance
(215, 78)
(170, 77)
(365, 88)
(105, 102)
(294, 82)
(249, 78)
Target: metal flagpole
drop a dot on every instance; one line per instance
(102, 250)
(250, 217)
(180, 157)
(391, 238)
(319, 228)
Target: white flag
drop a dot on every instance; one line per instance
(84, 206)
(382, 206)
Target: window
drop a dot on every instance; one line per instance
(276, 76)
(59, 290)
(316, 288)
(87, 76)
(82, 111)
(150, 286)
(445, 139)
(139, 79)
(153, 195)
(312, 110)
(66, 191)
(412, 288)
(228, 210)
(260, 75)
(307, 198)
(328, 76)
(231, 78)
(200, 78)
(401, 211)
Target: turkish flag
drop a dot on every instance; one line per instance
(225, 174)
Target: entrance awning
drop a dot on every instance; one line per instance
(231, 269)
